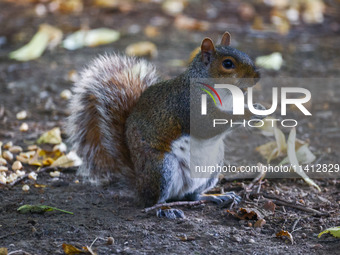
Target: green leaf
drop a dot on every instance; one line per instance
(335, 231)
(39, 209)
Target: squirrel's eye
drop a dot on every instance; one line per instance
(228, 64)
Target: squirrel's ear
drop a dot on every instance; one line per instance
(207, 49)
(225, 39)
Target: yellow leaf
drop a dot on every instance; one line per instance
(285, 233)
(47, 36)
(268, 150)
(52, 136)
(71, 250)
(335, 231)
(69, 160)
(3, 251)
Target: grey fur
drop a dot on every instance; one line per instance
(110, 80)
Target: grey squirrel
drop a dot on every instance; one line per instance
(124, 121)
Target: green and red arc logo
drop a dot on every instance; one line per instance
(209, 93)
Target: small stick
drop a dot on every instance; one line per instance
(93, 242)
(300, 207)
(21, 252)
(260, 177)
(295, 223)
(177, 203)
(280, 201)
(11, 234)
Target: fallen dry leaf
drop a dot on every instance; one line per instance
(142, 49)
(3, 251)
(69, 6)
(284, 233)
(184, 22)
(260, 223)
(90, 38)
(52, 136)
(71, 250)
(69, 160)
(174, 7)
(303, 154)
(313, 11)
(247, 214)
(269, 206)
(47, 36)
(43, 157)
(294, 161)
(272, 61)
(273, 149)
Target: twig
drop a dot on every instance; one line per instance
(41, 170)
(295, 223)
(93, 242)
(280, 201)
(177, 203)
(259, 187)
(11, 234)
(260, 177)
(21, 252)
(300, 207)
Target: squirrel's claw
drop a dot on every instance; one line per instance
(225, 198)
(170, 213)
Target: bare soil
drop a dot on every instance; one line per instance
(102, 212)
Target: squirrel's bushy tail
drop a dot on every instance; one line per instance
(103, 98)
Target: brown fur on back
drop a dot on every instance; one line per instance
(103, 98)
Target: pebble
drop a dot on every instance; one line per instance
(25, 187)
(20, 173)
(3, 168)
(23, 127)
(8, 145)
(21, 115)
(15, 149)
(251, 240)
(32, 147)
(3, 162)
(33, 176)
(7, 155)
(236, 239)
(16, 165)
(66, 94)
(55, 174)
(110, 240)
(2, 179)
(22, 159)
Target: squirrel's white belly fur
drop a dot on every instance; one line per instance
(186, 181)
(207, 152)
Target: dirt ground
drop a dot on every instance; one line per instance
(102, 212)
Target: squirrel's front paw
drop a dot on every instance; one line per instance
(225, 198)
(170, 213)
